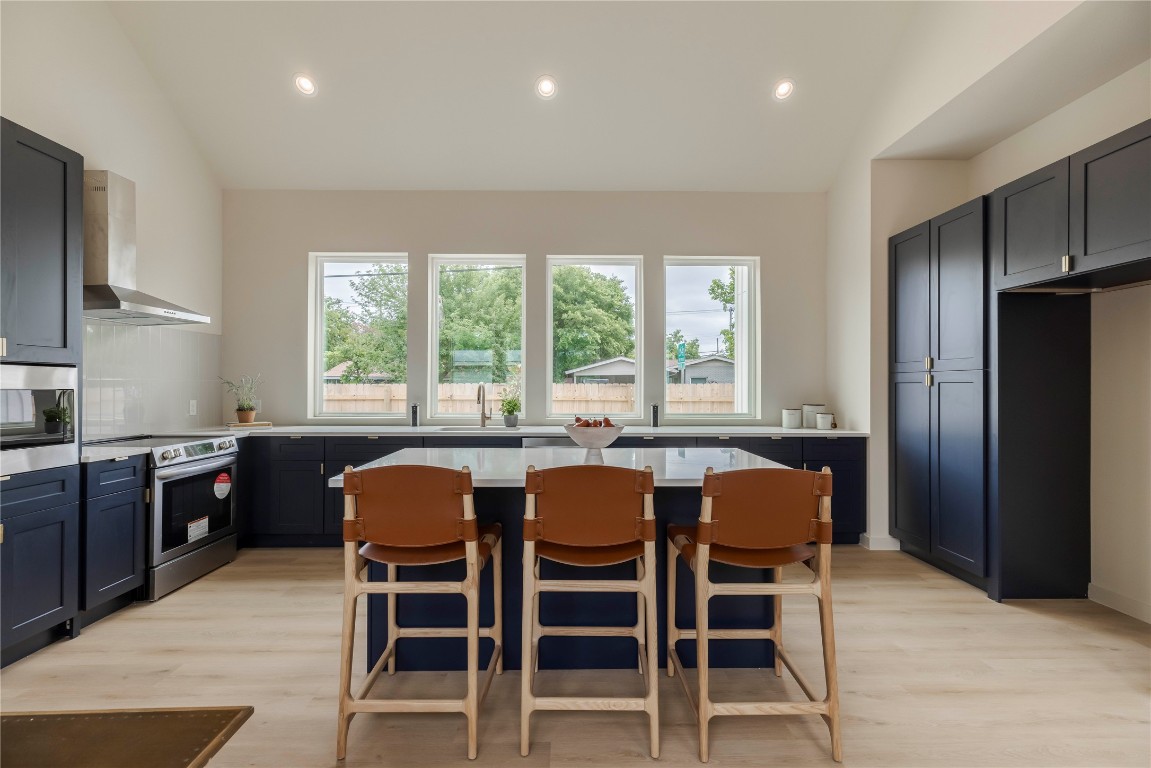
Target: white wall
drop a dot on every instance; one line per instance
(268, 234)
(68, 73)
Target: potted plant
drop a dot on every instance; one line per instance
(245, 392)
(55, 418)
(510, 406)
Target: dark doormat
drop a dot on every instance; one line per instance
(117, 738)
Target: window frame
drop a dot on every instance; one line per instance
(435, 260)
(316, 330)
(753, 372)
(553, 261)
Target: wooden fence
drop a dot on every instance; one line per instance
(567, 398)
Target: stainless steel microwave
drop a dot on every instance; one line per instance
(38, 418)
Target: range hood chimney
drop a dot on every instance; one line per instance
(110, 258)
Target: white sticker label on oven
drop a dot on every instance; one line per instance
(223, 485)
(198, 529)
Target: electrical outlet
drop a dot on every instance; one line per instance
(259, 405)
(192, 407)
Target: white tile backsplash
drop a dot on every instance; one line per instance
(138, 379)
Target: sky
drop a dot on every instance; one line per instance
(688, 306)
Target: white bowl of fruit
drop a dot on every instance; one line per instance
(593, 433)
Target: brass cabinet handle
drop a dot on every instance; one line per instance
(928, 380)
(1066, 263)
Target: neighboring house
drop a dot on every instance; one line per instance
(335, 374)
(617, 370)
(710, 369)
(474, 366)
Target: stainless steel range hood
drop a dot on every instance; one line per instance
(110, 258)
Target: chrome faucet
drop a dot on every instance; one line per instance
(482, 399)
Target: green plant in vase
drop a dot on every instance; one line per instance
(56, 417)
(245, 393)
(510, 405)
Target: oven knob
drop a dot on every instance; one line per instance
(178, 452)
(165, 455)
(230, 444)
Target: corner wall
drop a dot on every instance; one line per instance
(68, 72)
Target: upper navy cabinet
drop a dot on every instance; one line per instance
(1110, 193)
(41, 248)
(1028, 229)
(1082, 222)
(937, 283)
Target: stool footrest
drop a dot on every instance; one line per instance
(768, 708)
(588, 703)
(439, 632)
(588, 585)
(566, 631)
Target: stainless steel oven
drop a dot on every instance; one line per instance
(38, 417)
(193, 513)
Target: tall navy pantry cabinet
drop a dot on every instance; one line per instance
(937, 390)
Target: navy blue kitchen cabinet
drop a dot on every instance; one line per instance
(114, 529)
(39, 558)
(1028, 227)
(41, 248)
(787, 451)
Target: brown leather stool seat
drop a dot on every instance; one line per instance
(416, 515)
(565, 524)
(756, 518)
(441, 553)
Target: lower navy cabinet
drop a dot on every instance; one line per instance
(788, 451)
(115, 530)
(653, 442)
(296, 498)
(39, 572)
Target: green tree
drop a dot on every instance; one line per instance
(592, 319)
(370, 333)
(691, 351)
(724, 293)
(480, 308)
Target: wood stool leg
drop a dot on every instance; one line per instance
(672, 632)
(831, 674)
(701, 656)
(777, 619)
(640, 614)
(393, 625)
(346, 639)
(498, 596)
(652, 630)
(527, 649)
(471, 704)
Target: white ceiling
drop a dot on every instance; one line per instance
(430, 95)
(651, 95)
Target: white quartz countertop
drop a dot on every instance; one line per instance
(507, 467)
(555, 430)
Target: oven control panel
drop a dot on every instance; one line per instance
(179, 453)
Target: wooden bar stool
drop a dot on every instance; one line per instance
(757, 518)
(416, 515)
(589, 515)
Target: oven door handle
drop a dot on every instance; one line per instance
(194, 469)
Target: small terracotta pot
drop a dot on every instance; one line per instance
(245, 417)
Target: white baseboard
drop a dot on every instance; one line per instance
(867, 541)
(1121, 603)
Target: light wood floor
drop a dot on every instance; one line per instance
(932, 673)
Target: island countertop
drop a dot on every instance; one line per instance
(507, 467)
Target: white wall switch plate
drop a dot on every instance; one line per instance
(192, 407)
(259, 405)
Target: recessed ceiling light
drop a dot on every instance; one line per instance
(545, 86)
(305, 85)
(783, 89)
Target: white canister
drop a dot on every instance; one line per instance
(809, 411)
(792, 418)
(824, 420)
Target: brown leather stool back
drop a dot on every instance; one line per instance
(589, 506)
(409, 506)
(765, 508)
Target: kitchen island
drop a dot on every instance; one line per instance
(498, 478)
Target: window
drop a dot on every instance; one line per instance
(359, 357)
(710, 331)
(593, 310)
(477, 330)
